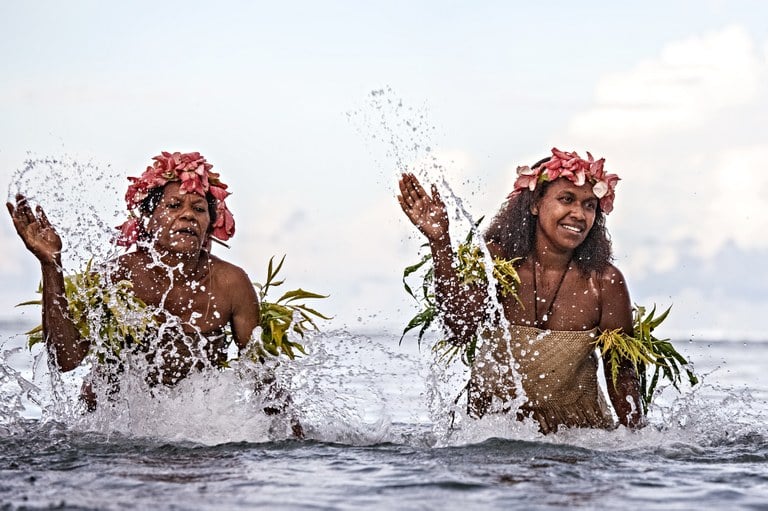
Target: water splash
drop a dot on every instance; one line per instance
(407, 136)
(351, 389)
(65, 186)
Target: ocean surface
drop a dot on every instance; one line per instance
(378, 436)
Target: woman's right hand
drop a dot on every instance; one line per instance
(426, 212)
(35, 230)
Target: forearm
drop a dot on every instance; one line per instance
(62, 339)
(461, 304)
(625, 395)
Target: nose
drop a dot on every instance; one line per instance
(577, 211)
(188, 212)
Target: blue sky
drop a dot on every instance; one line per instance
(674, 94)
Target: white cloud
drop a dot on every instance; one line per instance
(740, 183)
(690, 148)
(358, 261)
(699, 315)
(686, 132)
(765, 52)
(685, 85)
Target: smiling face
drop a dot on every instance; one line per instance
(180, 222)
(566, 214)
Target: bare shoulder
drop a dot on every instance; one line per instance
(611, 279)
(127, 264)
(229, 274)
(615, 303)
(495, 250)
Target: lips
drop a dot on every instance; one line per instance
(187, 231)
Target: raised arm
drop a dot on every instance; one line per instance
(462, 305)
(617, 313)
(63, 340)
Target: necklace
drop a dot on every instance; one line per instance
(548, 313)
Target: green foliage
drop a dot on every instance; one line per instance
(119, 317)
(646, 352)
(112, 310)
(471, 271)
(284, 315)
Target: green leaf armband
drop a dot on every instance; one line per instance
(646, 353)
(107, 313)
(287, 314)
(471, 269)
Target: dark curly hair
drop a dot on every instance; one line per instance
(514, 230)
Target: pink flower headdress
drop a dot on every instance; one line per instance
(195, 176)
(577, 170)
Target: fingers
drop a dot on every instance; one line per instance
(404, 205)
(416, 189)
(436, 195)
(23, 212)
(43, 218)
(23, 217)
(411, 190)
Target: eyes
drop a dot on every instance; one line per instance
(568, 199)
(197, 207)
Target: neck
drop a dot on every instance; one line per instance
(186, 264)
(551, 259)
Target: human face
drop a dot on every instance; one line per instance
(180, 222)
(566, 214)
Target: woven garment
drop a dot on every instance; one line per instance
(558, 370)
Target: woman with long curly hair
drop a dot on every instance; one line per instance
(553, 227)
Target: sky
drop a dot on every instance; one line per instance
(309, 110)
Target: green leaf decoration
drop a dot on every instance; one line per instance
(112, 317)
(472, 271)
(646, 353)
(287, 314)
(108, 314)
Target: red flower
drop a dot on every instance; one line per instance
(129, 232)
(526, 178)
(224, 226)
(195, 175)
(574, 168)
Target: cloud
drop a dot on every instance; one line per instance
(357, 260)
(685, 130)
(687, 84)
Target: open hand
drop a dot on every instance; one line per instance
(427, 212)
(35, 230)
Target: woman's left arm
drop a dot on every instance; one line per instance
(616, 312)
(246, 311)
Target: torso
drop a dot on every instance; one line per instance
(558, 372)
(574, 317)
(193, 313)
(577, 305)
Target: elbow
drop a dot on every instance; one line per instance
(65, 368)
(67, 360)
(64, 364)
(460, 329)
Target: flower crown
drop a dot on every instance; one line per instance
(195, 176)
(573, 168)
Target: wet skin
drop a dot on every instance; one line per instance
(175, 274)
(564, 216)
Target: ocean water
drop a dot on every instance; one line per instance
(377, 437)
